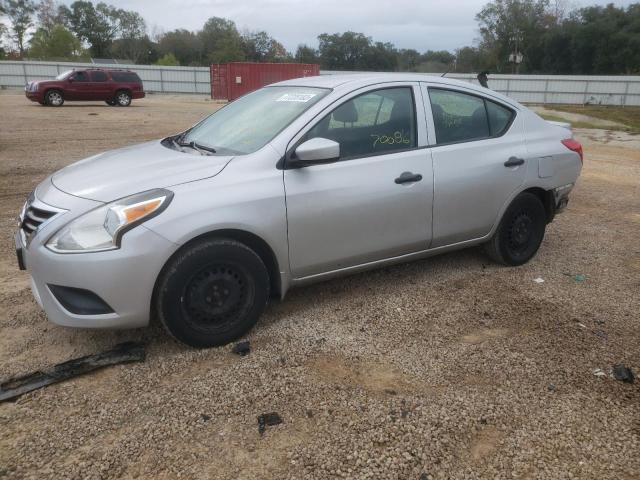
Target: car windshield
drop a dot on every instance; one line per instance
(64, 75)
(252, 121)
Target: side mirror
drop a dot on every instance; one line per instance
(316, 151)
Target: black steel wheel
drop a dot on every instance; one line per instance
(520, 233)
(212, 292)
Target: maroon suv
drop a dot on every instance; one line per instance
(115, 87)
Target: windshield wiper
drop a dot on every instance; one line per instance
(195, 146)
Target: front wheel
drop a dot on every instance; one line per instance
(54, 98)
(123, 99)
(520, 233)
(212, 292)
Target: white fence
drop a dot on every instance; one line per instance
(14, 74)
(567, 89)
(605, 90)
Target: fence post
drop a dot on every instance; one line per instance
(195, 80)
(161, 82)
(626, 92)
(586, 91)
(24, 72)
(508, 85)
(546, 89)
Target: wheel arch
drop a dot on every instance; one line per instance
(547, 199)
(251, 240)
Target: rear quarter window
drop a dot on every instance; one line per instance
(129, 77)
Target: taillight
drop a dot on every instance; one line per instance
(574, 146)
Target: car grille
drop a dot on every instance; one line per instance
(35, 213)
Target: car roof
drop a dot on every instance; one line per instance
(353, 81)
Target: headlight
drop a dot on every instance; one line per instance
(102, 228)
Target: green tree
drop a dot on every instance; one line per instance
(186, 46)
(20, 13)
(505, 24)
(97, 25)
(168, 59)
(221, 41)
(57, 42)
(346, 51)
(261, 47)
(306, 54)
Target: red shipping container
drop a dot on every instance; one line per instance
(232, 80)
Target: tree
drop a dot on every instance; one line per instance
(408, 60)
(221, 41)
(261, 47)
(56, 43)
(95, 25)
(168, 59)
(186, 46)
(306, 54)
(20, 13)
(346, 51)
(48, 15)
(133, 42)
(507, 23)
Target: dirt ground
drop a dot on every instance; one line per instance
(452, 367)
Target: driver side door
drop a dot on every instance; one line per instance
(374, 202)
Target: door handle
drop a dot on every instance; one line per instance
(514, 162)
(408, 177)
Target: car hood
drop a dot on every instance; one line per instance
(115, 174)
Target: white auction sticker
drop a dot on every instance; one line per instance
(296, 97)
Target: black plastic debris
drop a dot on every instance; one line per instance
(127, 352)
(268, 419)
(205, 417)
(242, 348)
(624, 374)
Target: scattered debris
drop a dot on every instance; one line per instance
(582, 325)
(539, 280)
(242, 348)
(599, 321)
(624, 374)
(205, 417)
(268, 419)
(551, 387)
(309, 413)
(599, 373)
(123, 353)
(579, 278)
(92, 113)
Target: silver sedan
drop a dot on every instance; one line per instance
(296, 182)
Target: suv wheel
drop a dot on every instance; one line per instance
(123, 99)
(212, 292)
(54, 98)
(520, 232)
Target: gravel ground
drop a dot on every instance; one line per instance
(452, 367)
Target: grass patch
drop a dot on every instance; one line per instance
(627, 116)
(574, 124)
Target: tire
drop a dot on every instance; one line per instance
(54, 98)
(520, 233)
(123, 98)
(212, 292)
(111, 103)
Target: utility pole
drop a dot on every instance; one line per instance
(516, 57)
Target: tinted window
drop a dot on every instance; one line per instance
(98, 76)
(81, 77)
(499, 118)
(129, 77)
(375, 122)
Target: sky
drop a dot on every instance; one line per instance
(419, 24)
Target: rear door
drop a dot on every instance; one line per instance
(99, 87)
(375, 202)
(478, 161)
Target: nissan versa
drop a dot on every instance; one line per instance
(293, 183)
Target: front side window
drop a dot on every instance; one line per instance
(80, 77)
(380, 121)
(460, 117)
(249, 123)
(98, 76)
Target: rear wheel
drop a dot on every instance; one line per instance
(123, 99)
(520, 233)
(54, 98)
(212, 292)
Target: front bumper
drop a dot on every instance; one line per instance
(123, 278)
(33, 96)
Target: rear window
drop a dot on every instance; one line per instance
(129, 77)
